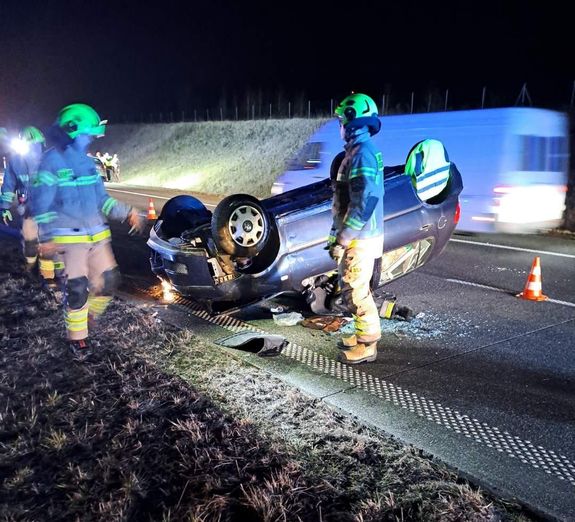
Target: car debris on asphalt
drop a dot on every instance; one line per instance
(329, 324)
(262, 344)
(288, 319)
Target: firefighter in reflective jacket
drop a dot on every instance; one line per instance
(21, 168)
(72, 207)
(356, 239)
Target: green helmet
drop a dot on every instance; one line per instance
(32, 135)
(80, 118)
(356, 107)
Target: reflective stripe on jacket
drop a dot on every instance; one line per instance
(16, 180)
(358, 193)
(428, 165)
(70, 203)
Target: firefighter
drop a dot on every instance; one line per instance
(356, 238)
(72, 208)
(115, 164)
(106, 158)
(20, 170)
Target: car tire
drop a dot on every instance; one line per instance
(241, 226)
(183, 213)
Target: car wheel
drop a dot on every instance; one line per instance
(183, 213)
(241, 226)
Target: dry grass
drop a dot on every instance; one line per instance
(210, 157)
(161, 425)
(367, 475)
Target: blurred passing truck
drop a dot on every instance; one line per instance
(514, 162)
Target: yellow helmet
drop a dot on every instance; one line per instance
(358, 110)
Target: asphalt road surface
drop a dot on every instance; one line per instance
(481, 379)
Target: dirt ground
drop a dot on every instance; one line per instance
(160, 425)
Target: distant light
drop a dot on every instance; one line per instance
(20, 146)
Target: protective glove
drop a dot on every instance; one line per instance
(391, 310)
(136, 221)
(6, 216)
(387, 308)
(336, 252)
(331, 239)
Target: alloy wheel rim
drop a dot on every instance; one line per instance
(246, 225)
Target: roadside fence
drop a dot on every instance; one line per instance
(254, 108)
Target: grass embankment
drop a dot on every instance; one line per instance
(210, 157)
(162, 425)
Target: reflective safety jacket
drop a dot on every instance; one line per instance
(69, 201)
(17, 180)
(358, 194)
(428, 165)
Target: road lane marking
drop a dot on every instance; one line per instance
(495, 289)
(150, 195)
(493, 245)
(469, 283)
(529, 454)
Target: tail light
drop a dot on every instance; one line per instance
(503, 189)
(457, 214)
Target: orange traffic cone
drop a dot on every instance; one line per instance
(151, 210)
(533, 290)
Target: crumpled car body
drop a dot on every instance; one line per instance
(249, 250)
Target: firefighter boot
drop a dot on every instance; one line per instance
(361, 352)
(345, 343)
(80, 349)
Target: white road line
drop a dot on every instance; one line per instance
(495, 289)
(469, 283)
(149, 195)
(492, 245)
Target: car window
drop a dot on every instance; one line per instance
(308, 158)
(402, 260)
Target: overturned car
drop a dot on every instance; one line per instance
(249, 250)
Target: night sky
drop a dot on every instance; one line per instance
(133, 58)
